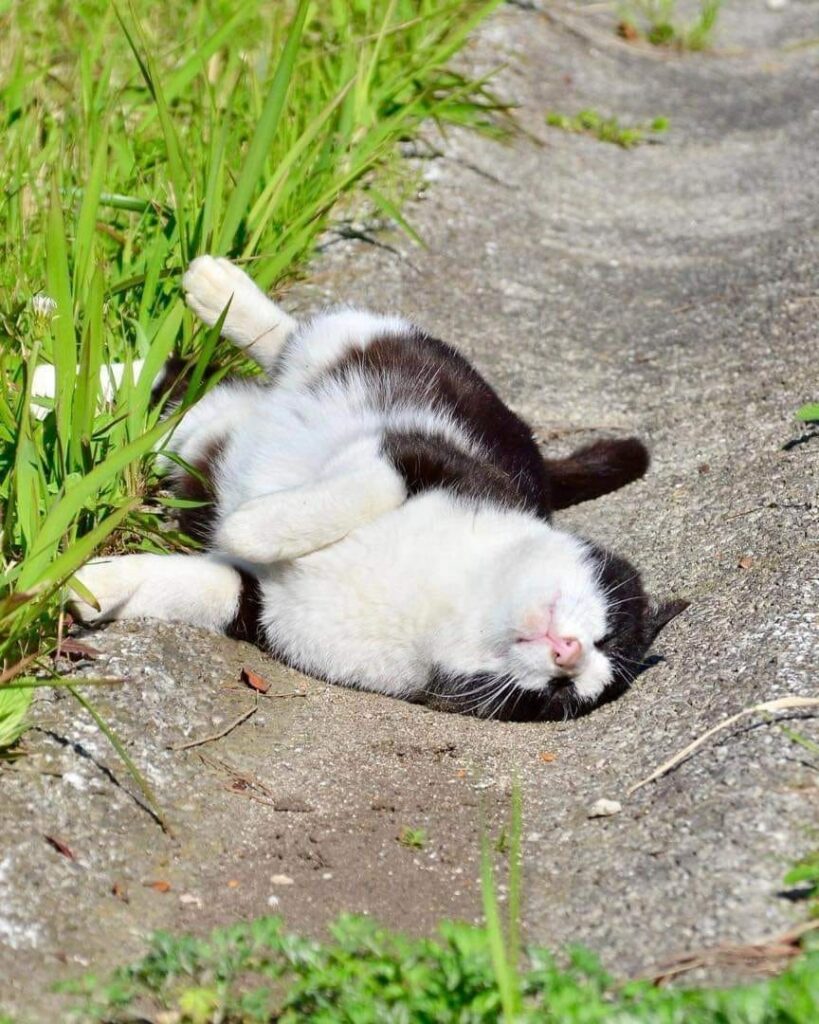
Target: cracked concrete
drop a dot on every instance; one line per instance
(669, 291)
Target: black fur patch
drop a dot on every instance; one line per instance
(422, 371)
(631, 621)
(198, 522)
(417, 370)
(596, 470)
(487, 696)
(172, 381)
(246, 624)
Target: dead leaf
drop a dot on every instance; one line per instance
(160, 885)
(60, 847)
(745, 562)
(461, 773)
(626, 30)
(76, 651)
(547, 757)
(254, 681)
(233, 883)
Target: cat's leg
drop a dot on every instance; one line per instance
(357, 488)
(44, 383)
(202, 590)
(253, 322)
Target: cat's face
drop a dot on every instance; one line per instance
(564, 626)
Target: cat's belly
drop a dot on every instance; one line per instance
(286, 443)
(364, 611)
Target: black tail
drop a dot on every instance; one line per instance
(595, 470)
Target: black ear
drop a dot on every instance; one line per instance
(660, 615)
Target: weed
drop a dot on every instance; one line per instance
(125, 155)
(607, 129)
(806, 871)
(413, 838)
(255, 972)
(654, 20)
(809, 413)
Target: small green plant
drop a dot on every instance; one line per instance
(809, 413)
(607, 129)
(806, 872)
(412, 838)
(13, 707)
(255, 972)
(654, 20)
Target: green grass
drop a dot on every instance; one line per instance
(809, 413)
(607, 129)
(655, 20)
(135, 138)
(412, 838)
(256, 972)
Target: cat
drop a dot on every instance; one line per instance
(374, 515)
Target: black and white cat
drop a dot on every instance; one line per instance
(379, 518)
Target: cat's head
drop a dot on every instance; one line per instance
(560, 627)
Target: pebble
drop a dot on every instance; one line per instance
(281, 880)
(603, 808)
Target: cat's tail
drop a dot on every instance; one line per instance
(595, 470)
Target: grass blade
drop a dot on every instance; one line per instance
(264, 134)
(125, 757)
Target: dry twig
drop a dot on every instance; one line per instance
(765, 956)
(217, 735)
(781, 704)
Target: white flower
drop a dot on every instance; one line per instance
(44, 306)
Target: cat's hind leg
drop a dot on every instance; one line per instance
(202, 590)
(44, 383)
(253, 321)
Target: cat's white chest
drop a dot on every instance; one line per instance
(371, 607)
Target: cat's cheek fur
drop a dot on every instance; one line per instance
(594, 679)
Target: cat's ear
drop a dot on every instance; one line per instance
(659, 615)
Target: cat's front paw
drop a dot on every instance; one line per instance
(112, 582)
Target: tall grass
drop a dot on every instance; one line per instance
(134, 138)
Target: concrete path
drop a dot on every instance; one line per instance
(670, 291)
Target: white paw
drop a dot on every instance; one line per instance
(112, 582)
(211, 283)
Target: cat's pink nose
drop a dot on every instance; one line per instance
(567, 650)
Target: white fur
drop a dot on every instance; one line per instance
(358, 584)
(44, 383)
(253, 322)
(158, 586)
